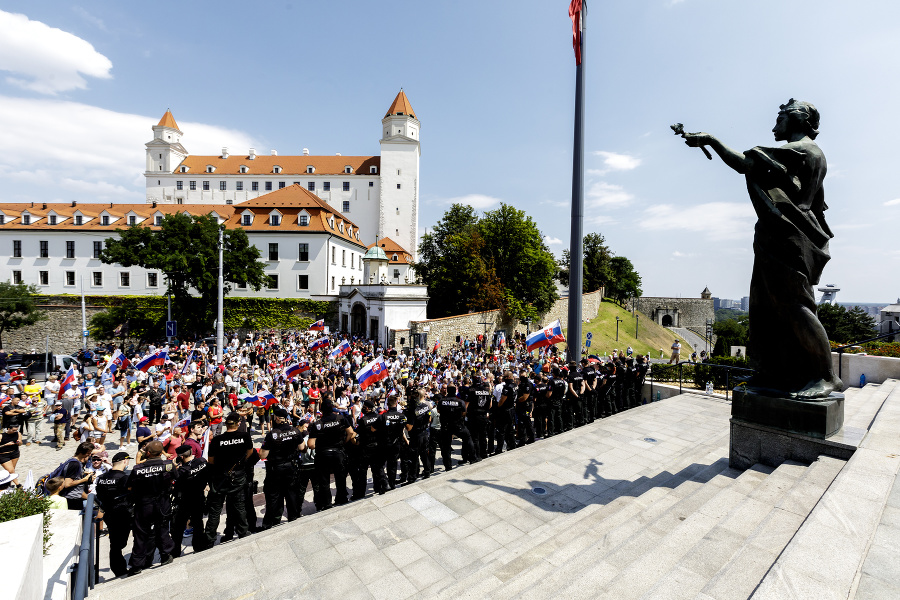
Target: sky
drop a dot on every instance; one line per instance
(493, 85)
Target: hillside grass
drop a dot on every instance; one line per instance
(651, 337)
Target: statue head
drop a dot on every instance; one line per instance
(796, 117)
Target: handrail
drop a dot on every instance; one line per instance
(840, 349)
(680, 367)
(85, 577)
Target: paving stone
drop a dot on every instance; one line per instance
(872, 588)
(404, 553)
(424, 572)
(390, 585)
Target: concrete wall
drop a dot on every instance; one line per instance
(21, 554)
(472, 324)
(877, 369)
(691, 312)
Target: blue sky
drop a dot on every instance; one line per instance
(493, 85)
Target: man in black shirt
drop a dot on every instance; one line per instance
(327, 437)
(574, 414)
(114, 499)
(76, 480)
(452, 411)
(590, 390)
(558, 388)
(190, 496)
(150, 484)
(364, 454)
(503, 414)
(390, 435)
(155, 402)
(524, 409)
(541, 404)
(418, 418)
(228, 453)
(478, 408)
(280, 450)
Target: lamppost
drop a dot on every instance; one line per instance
(618, 320)
(637, 322)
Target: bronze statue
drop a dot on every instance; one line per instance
(788, 345)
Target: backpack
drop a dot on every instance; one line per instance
(40, 488)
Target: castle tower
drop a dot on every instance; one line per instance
(400, 152)
(164, 153)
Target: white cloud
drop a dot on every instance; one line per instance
(894, 202)
(477, 201)
(77, 150)
(552, 241)
(607, 194)
(50, 60)
(713, 220)
(614, 161)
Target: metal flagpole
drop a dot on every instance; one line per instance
(576, 249)
(220, 325)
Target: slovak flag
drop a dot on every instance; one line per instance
(501, 338)
(552, 334)
(575, 13)
(118, 361)
(296, 369)
(184, 423)
(157, 359)
(322, 342)
(318, 325)
(187, 363)
(372, 372)
(340, 350)
(437, 346)
(263, 399)
(67, 383)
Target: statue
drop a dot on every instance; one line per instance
(788, 345)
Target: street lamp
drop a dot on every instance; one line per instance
(637, 323)
(618, 320)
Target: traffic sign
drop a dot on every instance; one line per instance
(589, 335)
(171, 328)
(588, 343)
(84, 333)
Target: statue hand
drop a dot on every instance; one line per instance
(697, 140)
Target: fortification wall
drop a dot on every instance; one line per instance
(63, 325)
(683, 312)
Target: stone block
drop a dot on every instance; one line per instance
(812, 419)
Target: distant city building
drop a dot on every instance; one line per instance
(745, 304)
(829, 294)
(890, 318)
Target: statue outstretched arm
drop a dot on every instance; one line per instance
(734, 159)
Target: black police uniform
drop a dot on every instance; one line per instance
(329, 433)
(480, 401)
(558, 387)
(452, 409)
(524, 410)
(364, 456)
(115, 500)
(190, 498)
(576, 398)
(280, 486)
(419, 417)
(503, 418)
(151, 487)
(390, 436)
(228, 482)
(541, 408)
(590, 393)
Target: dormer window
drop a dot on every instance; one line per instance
(303, 221)
(275, 220)
(341, 227)
(244, 169)
(247, 220)
(276, 169)
(104, 220)
(159, 220)
(210, 169)
(331, 222)
(26, 219)
(79, 220)
(373, 170)
(132, 220)
(348, 169)
(310, 169)
(394, 258)
(184, 169)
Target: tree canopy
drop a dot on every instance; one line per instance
(601, 268)
(185, 249)
(18, 307)
(496, 261)
(846, 326)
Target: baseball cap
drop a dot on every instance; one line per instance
(120, 456)
(142, 419)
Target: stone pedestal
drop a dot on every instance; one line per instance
(770, 430)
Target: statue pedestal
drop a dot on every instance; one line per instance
(770, 430)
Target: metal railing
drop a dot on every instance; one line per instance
(664, 373)
(87, 569)
(840, 349)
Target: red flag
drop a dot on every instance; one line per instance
(575, 15)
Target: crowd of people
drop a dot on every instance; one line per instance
(167, 445)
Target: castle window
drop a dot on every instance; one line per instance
(394, 258)
(326, 186)
(254, 187)
(273, 251)
(348, 170)
(51, 218)
(273, 282)
(371, 184)
(274, 220)
(193, 186)
(304, 253)
(184, 169)
(304, 220)
(132, 220)
(98, 278)
(311, 186)
(239, 186)
(70, 249)
(179, 185)
(26, 219)
(248, 219)
(205, 186)
(17, 277)
(124, 279)
(44, 277)
(70, 277)
(98, 248)
(268, 186)
(276, 169)
(346, 207)
(2, 219)
(373, 170)
(79, 220)
(45, 249)
(210, 168)
(398, 186)
(303, 282)
(346, 186)
(244, 169)
(152, 280)
(223, 185)
(398, 171)
(159, 220)
(104, 220)
(280, 185)
(343, 258)
(310, 169)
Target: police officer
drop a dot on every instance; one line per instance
(503, 413)
(524, 409)
(390, 435)
(558, 388)
(280, 450)
(590, 390)
(364, 453)
(452, 411)
(306, 472)
(575, 396)
(542, 394)
(114, 499)
(478, 409)
(150, 484)
(418, 418)
(327, 437)
(228, 453)
(190, 495)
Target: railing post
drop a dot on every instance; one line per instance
(727, 382)
(680, 377)
(840, 362)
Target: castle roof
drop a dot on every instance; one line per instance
(392, 248)
(401, 106)
(290, 165)
(168, 121)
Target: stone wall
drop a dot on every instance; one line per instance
(684, 312)
(63, 325)
(469, 326)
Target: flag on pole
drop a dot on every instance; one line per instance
(501, 338)
(575, 8)
(296, 369)
(372, 372)
(340, 350)
(552, 334)
(204, 443)
(118, 361)
(67, 383)
(187, 363)
(322, 342)
(318, 325)
(262, 399)
(157, 359)
(437, 346)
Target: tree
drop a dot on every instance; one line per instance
(730, 332)
(845, 326)
(130, 317)
(185, 249)
(596, 270)
(624, 282)
(18, 307)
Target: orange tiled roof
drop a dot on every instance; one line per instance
(290, 165)
(391, 247)
(168, 121)
(401, 105)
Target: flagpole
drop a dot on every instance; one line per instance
(573, 337)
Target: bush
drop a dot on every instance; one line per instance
(721, 378)
(24, 503)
